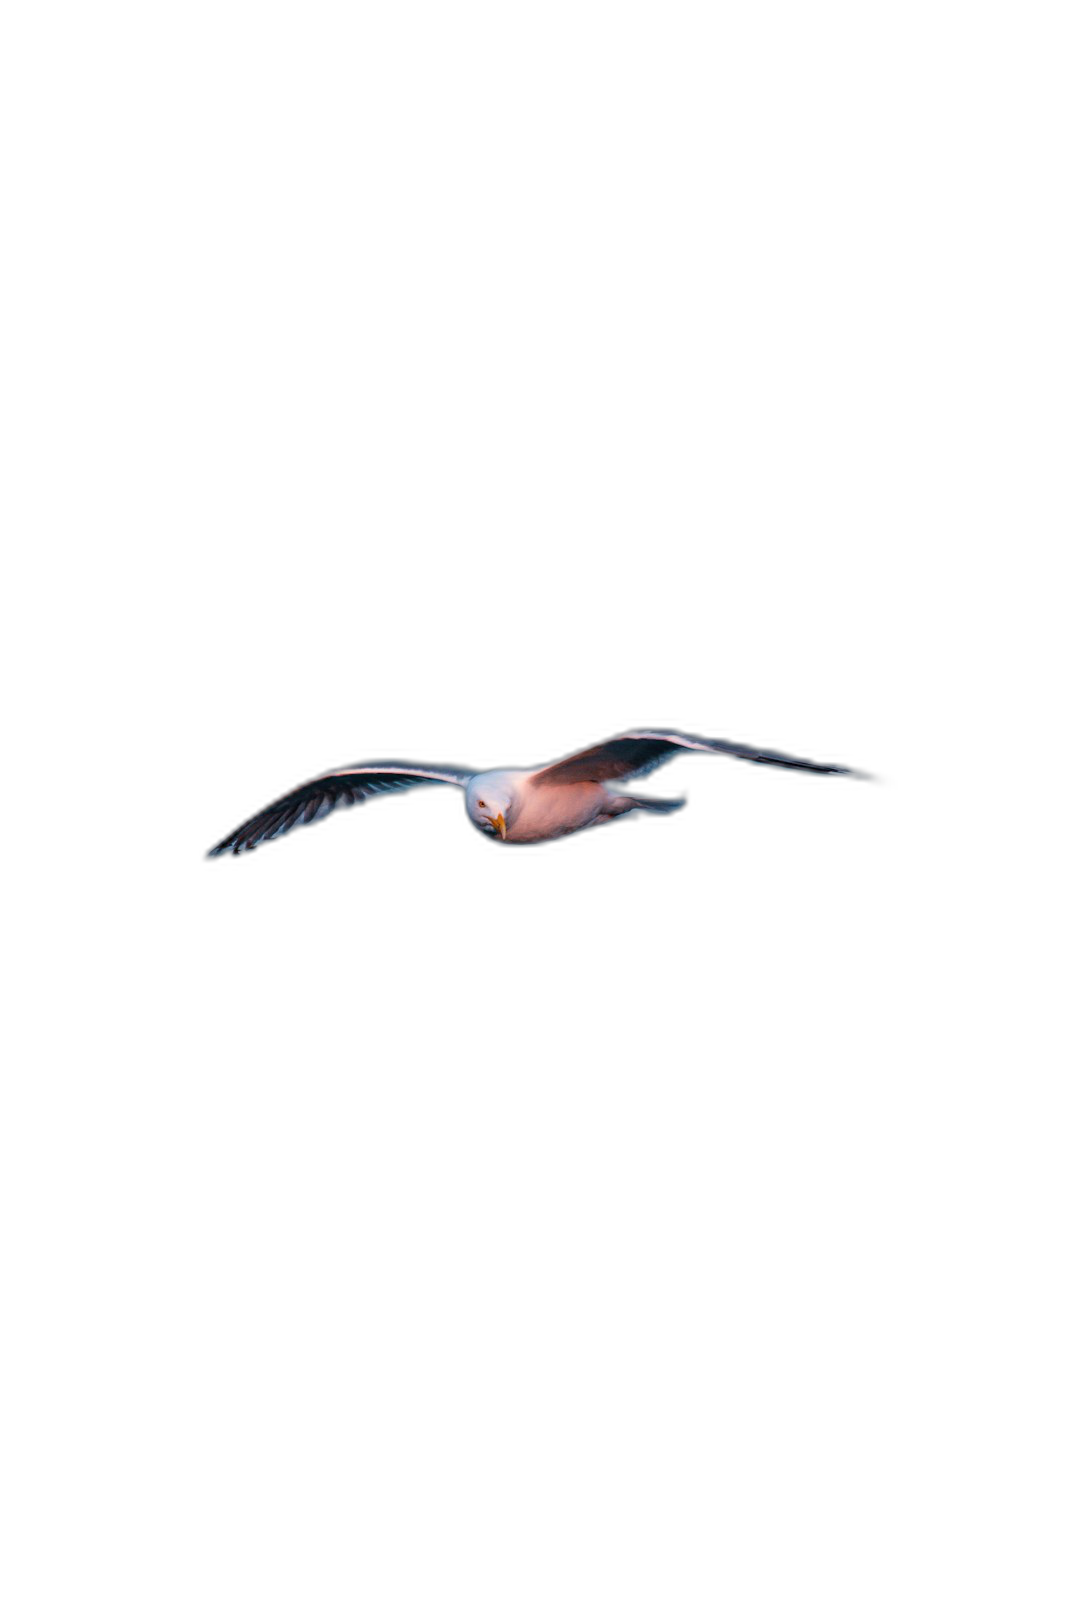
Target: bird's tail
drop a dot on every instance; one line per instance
(659, 807)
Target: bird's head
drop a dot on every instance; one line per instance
(489, 798)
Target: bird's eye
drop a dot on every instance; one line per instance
(480, 804)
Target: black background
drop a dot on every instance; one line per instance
(491, 436)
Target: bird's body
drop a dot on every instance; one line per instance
(515, 806)
(552, 811)
(539, 810)
(544, 811)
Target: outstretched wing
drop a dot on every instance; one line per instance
(353, 784)
(638, 752)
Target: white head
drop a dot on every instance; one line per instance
(489, 798)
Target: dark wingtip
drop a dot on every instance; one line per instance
(830, 770)
(839, 770)
(228, 846)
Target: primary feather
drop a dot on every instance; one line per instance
(353, 784)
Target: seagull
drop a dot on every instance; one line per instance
(514, 806)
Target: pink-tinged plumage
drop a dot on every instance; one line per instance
(515, 806)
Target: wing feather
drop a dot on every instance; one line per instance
(353, 784)
(636, 753)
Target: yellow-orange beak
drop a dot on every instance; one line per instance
(500, 824)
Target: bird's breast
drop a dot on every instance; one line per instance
(550, 810)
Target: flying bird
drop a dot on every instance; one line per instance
(517, 806)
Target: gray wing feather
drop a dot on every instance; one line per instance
(636, 753)
(352, 784)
